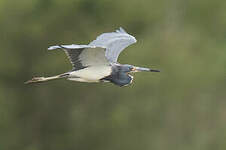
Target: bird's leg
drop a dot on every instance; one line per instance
(44, 79)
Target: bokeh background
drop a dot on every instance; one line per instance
(181, 108)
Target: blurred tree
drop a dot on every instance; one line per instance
(181, 108)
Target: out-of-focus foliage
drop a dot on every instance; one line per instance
(181, 108)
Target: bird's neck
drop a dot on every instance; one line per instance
(119, 78)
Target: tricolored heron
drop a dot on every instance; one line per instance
(97, 61)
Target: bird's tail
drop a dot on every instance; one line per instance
(44, 79)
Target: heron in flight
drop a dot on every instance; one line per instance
(97, 61)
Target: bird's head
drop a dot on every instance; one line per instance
(130, 69)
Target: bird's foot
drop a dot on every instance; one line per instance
(35, 80)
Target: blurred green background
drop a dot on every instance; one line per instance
(181, 108)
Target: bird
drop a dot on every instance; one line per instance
(97, 61)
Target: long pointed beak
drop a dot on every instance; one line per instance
(139, 69)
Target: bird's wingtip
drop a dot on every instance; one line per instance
(121, 30)
(54, 47)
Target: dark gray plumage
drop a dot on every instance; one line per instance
(73, 56)
(119, 75)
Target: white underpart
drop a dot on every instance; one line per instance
(90, 74)
(93, 56)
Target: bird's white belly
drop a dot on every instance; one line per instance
(90, 74)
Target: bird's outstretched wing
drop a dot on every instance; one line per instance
(82, 56)
(114, 42)
(104, 50)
